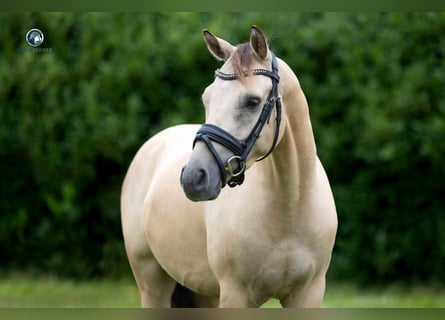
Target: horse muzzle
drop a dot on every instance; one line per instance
(200, 183)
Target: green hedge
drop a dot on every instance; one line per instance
(378, 104)
(72, 119)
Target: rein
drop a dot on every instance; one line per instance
(232, 171)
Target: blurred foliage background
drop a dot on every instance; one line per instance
(72, 119)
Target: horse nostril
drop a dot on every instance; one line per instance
(200, 179)
(194, 179)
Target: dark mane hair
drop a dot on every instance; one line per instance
(242, 60)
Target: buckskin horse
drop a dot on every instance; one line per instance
(245, 215)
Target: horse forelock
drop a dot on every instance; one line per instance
(242, 61)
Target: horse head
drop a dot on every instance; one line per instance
(240, 107)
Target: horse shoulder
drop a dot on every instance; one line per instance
(173, 226)
(167, 146)
(156, 153)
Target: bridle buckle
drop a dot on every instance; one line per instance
(240, 167)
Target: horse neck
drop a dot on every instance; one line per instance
(295, 156)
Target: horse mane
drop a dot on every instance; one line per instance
(242, 61)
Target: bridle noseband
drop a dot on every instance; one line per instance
(233, 170)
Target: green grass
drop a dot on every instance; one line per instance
(18, 291)
(393, 296)
(51, 292)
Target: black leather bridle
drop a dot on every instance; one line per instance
(233, 170)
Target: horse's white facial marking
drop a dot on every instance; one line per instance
(236, 108)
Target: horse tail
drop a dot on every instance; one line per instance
(183, 297)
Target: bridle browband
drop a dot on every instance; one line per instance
(209, 133)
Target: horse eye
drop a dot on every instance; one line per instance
(252, 102)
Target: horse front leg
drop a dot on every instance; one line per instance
(310, 296)
(233, 295)
(155, 286)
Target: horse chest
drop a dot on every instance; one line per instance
(272, 269)
(287, 265)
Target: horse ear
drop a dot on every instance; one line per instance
(219, 48)
(258, 42)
